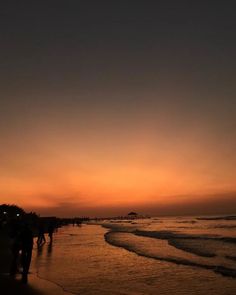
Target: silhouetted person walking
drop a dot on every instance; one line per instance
(50, 231)
(41, 237)
(15, 230)
(26, 238)
(16, 247)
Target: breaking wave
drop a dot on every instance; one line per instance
(208, 251)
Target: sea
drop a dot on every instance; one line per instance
(168, 255)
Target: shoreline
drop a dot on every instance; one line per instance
(36, 286)
(50, 286)
(13, 285)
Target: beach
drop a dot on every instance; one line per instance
(12, 286)
(159, 255)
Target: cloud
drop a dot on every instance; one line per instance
(221, 203)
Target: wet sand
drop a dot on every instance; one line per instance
(13, 285)
(82, 262)
(92, 266)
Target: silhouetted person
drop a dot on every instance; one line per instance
(16, 247)
(41, 237)
(51, 231)
(26, 238)
(78, 222)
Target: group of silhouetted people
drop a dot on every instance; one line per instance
(41, 233)
(22, 246)
(22, 242)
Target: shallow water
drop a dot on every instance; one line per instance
(152, 256)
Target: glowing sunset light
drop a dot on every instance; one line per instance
(104, 114)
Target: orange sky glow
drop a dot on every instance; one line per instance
(135, 166)
(112, 108)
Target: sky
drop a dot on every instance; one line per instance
(108, 107)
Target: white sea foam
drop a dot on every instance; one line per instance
(199, 246)
(160, 258)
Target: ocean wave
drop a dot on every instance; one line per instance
(201, 245)
(230, 217)
(119, 227)
(165, 234)
(190, 247)
(187, 221)
(181, 241)
(231, 257)
(224, 226)
(110, 237)
(228, 240)
(175, 238)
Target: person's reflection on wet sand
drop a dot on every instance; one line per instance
(49, 249)
(40, 250)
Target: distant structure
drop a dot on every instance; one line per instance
(132, 215)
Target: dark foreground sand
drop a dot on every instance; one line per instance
(10, 286)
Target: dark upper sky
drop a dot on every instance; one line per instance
(86, 70)
(76, 41)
